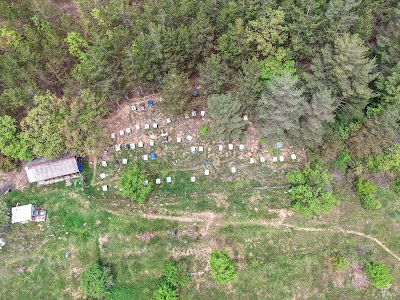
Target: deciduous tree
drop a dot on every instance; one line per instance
(42, 127)
(133, 185)
(268, 32)
(311, 191)
(12, 142)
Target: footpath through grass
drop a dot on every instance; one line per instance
(273, 262)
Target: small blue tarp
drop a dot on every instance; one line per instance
(195, 93)
(80, 167)
(153, 155)
(279, 145)
(150, 102)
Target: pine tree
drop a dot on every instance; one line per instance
(224, 111)
(249, 85)
(214, 75)
(346, 70)
(318, 113)
(280, 107)
(175, 92)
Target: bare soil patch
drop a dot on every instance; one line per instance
(13, 180)
(103, 239)
(146, 236)
(359, 279)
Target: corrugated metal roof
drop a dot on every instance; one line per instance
(40, 170)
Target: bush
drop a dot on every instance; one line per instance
(277, 152)
(396, 186)
(388, 161)
(311, 191)
(262, 140)
(339, 262)
(96, 280)
(165, 292)
(132, 185)
(379, 275)
(7, 164)
(370, 203)
(172, 279)
(203, 130)
(365, 187)
(296, 177)
(222, 266)
(342, 161)
(366, 190)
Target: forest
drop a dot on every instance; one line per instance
(320, 76)
(309, 72)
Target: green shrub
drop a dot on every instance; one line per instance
(203, 130)
(339, 262)
(165, 292)
(172, 279)
(388, 161)
(132, 185)
(222, 266)
(345, 129)
(277, 152)
(396, 186)
(370, 203)
(366, 190)
(296, 177)
(342, 161)
(7, 164)
(262, 140)
(311, 191)
(379, 275)
(96, 280)
(365, 187)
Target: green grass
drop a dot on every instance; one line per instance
(273, 263)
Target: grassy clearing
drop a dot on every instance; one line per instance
(273, 263)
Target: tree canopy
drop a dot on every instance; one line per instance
(225, 112)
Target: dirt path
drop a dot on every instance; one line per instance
(209, 219)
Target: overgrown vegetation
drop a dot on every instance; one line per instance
(203, 130)
(339, 262)
(96, 280)
(174, 277)
(133, 185)
(366, 189)
(311, 191)
(379, 274)
(223, 268)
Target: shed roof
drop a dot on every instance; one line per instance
(41, 169)
(21, 214)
